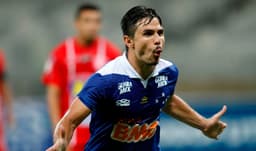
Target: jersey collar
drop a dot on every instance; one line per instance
(131, 72)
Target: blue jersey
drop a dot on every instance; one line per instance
(126, 108)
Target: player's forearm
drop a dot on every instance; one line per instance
(64, 130)
(53, 100)
(68, 126)
(54, 113)
(7, 97)
(180, 110)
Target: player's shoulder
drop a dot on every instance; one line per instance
(59, 51)
(109, 75)
(111, 47)
(116, 66)
(106, 40)
(167, 67)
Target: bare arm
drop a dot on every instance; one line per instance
(53, 102)
(180, 110)
(66, 126)
(7, 98)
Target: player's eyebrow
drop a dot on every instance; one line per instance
(151, 31)
(148, 31)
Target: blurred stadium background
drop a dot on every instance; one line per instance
(211, 41)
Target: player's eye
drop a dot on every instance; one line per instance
(160, 32)
(148, 33)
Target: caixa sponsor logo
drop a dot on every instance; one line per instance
(125, 133)
(123, 102)
(124, 87)
(161, 81)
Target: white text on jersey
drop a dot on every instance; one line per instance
(161, 81)
(124, 87)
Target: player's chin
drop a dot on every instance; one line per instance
(154, 61)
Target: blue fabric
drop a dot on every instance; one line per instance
(123, 109)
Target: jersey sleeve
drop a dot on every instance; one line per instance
(173, 74)
(112, 51)
(54, 72)
(171, 71)
(93, 92)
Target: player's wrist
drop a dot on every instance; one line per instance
(203, 124)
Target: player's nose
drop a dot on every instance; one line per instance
(157, 40)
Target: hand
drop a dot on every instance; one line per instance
(214, 127)
(60, 143)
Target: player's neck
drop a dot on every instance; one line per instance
(84, 41)
(141, 68)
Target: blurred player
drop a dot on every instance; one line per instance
(5, 101)
(72, 62)
(126, 96)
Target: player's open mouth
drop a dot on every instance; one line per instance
(157, 52)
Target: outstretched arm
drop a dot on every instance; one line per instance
(66, 126)
(179, 109)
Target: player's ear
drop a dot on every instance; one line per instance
(128, 41)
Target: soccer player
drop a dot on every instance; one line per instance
(72, 62)
(5, 101)
(126, 96)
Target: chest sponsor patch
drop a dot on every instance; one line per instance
(161, 81)
(125, 133)
(124, 87)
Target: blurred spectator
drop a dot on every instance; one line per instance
(5, 102)
(72, 62)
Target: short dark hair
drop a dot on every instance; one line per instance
(84, 7)
(135, 14)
